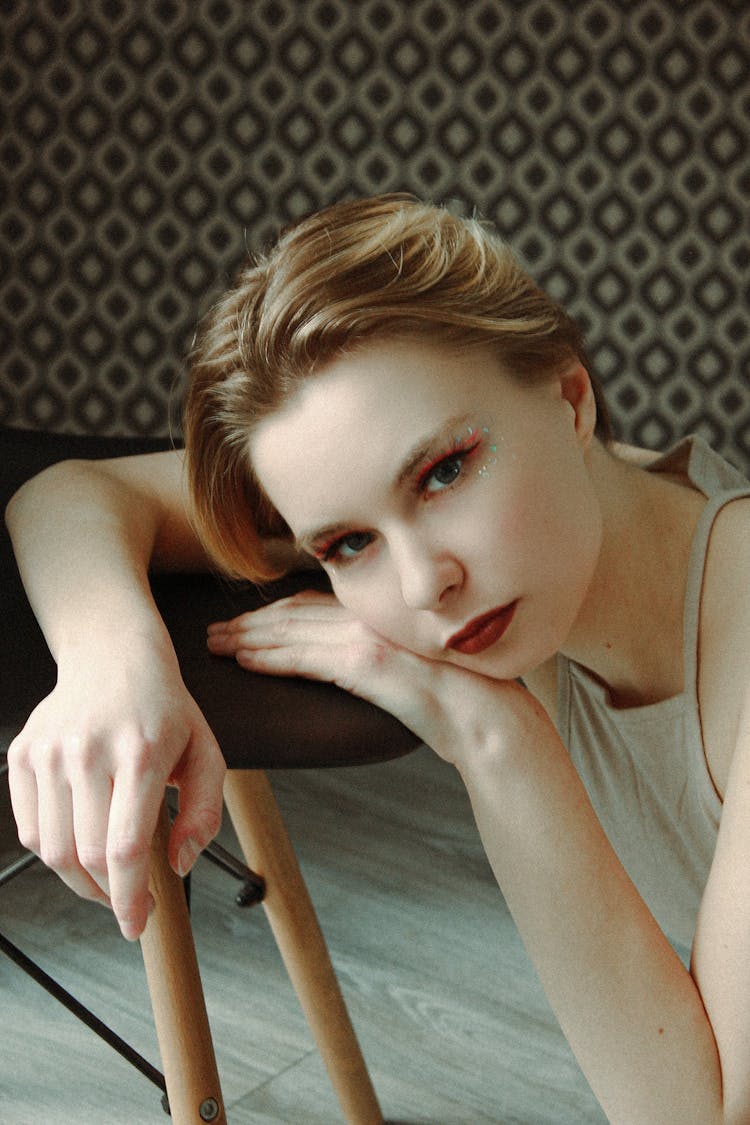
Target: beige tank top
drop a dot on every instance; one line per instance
(645, 767)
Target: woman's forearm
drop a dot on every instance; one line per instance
(85, 534)
(630, 1010)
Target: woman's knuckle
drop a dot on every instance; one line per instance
(140, 749)
(29, 838)
(125, 851)
(284, 626)
(18, 753)
(54, 754)
(372, 654)
(380, 654)
(57, 855)
(78, 752)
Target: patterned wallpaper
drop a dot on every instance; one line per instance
(145, 145)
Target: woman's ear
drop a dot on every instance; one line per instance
(576, 390)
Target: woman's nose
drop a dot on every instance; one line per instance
(428, 577)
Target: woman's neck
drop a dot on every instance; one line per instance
(630, 630)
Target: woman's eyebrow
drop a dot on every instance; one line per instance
(312, 541)
(313, 538)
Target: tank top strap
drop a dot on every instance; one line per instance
(694, 588)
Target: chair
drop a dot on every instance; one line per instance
(261, 723)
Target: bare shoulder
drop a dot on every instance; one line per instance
(162, 471)
(542, 683)
(724, 672)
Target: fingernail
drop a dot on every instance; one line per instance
(186, 857)
(129, 930)
(132, 930)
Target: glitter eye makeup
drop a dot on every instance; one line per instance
(484, 470)
(443, 470)
(446, 468)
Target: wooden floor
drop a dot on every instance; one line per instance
(451, 1018)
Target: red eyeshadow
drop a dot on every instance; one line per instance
(467, 447)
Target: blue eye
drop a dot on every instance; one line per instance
(446, 472)
(347, 547)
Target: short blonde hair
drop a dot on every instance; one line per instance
(385, 267)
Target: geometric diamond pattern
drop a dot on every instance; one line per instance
(144, 147)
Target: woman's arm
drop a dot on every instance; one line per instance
(721, 948)
(633, 1015)
(88, 771)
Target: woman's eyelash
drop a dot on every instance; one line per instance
(459, 452)
(330, 552)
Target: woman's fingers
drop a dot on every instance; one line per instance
(309, 605)
(288, 621)
(56, 842)
(310, 634)
(200, 778)
(136, 802)
(87, 802)
(24, 796)
(91, 793)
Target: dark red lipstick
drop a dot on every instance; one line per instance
(483, 631)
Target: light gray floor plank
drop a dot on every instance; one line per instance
(451, 1017)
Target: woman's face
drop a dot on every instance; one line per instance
(451, 506)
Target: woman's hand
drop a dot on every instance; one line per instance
(88, 773)
(459, 713)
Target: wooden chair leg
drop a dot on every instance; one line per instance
(177, 997)
(268, 851)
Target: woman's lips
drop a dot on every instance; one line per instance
(483, 631)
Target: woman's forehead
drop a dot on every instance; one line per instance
(387, 376)
(352, 430)
(380, 394)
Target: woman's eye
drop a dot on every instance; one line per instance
(347, 547)
(447, 470)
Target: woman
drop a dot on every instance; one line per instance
(388, 393)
